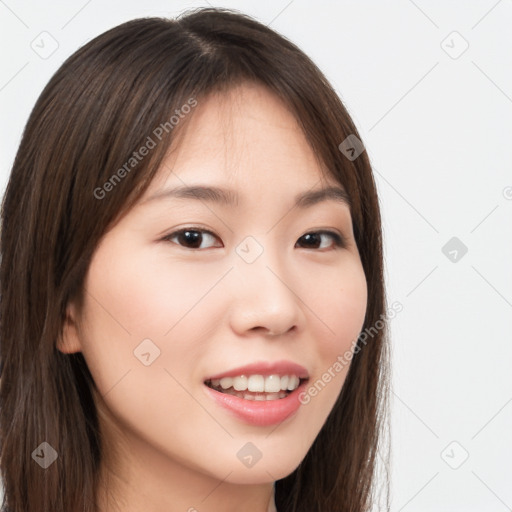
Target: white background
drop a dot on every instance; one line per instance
(437, 124)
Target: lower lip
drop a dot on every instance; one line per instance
(259, 412)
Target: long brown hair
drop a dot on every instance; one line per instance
(99, 107)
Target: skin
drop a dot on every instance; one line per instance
(169, 446)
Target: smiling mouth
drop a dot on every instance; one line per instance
(256, 387)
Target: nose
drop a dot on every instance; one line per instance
(264, 298)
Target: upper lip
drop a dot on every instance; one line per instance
(265, 368)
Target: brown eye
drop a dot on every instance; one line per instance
(190, 238)
(313, 240)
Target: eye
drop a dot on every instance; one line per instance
(314, 238)
(190, 238)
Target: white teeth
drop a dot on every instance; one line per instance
(240, 383)
(272, 384)
(293, 382)
(258, 383)
(225, 383)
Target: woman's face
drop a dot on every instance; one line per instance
(258, 281)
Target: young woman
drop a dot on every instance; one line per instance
(191, 264)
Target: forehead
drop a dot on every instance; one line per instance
(246, 137)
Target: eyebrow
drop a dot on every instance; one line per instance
(229, 197)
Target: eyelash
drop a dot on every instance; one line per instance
(339, 240)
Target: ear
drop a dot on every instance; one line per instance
(69, 339)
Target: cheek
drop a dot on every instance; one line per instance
(142, 297)
(141, 310)
(339, 304)
(339, 307)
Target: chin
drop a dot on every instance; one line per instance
(263, 470)
(259, 475)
